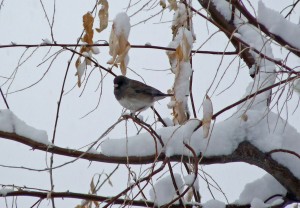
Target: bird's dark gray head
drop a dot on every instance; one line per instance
(120, 81)
(120, 85)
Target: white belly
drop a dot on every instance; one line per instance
(135, 105)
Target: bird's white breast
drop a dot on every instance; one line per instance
(134, 104)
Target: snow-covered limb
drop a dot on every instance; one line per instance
(10, 123)
(233, 140)
(271, 23)
(5, 191)
(245, 152)
(93, 197)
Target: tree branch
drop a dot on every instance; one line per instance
(245, 152)
(92, 197)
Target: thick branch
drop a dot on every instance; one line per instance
(228, 30)
(252, 20)
(92, 197)
(245, 152)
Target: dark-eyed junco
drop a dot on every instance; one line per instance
(134, 95)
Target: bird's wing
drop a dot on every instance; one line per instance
(142, 88)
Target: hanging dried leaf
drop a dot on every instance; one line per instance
(180, 115)
(173, 5)
(88, 21)
(186, 48)
(162, 3)
(207, 116)
(244, 117)
(180, 18)
(103, 15)
(118, 42)
(189, 195)
(80, 70)
(92, 187)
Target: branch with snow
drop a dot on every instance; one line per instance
(233, 140)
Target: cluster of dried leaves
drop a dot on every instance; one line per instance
(88, 49)
(176, 58)
(118, 43)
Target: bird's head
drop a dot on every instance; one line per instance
(120, 81)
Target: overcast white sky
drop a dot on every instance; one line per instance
(25, 22)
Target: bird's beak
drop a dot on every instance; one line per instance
(116, 85)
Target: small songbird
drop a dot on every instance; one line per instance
(134, 95)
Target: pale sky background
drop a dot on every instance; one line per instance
(24, 22)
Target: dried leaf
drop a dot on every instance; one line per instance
(179, 54)
(103, 15)
(207, 116)
(88, 21)
(244, 117)
(162, 3)
(186, 48)
(173, 5)
(119, 46)
(189, 195)
(92, 187)
(179, 113)
(113, 46)
(80, 71)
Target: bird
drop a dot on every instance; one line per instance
(134, 95)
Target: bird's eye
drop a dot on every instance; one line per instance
(116, 85)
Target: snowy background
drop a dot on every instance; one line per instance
(81, 120)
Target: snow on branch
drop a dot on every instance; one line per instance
(139, 203)
(261, 190)
(10, 123)
(278, 25)
(233, 140)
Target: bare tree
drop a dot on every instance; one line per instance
(161, 165)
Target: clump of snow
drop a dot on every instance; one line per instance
(140, 117)
(10, 123)
(261, 189)
(95, 50)
(46, 41)
(266, 131)
(297, 86)
(122, 25)
(214, 204)
(278, 25)
(5, 191)
(87, 55)
(92, 150)
(164, 192)
(168, 121)
(191, 180)
(173, 137)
